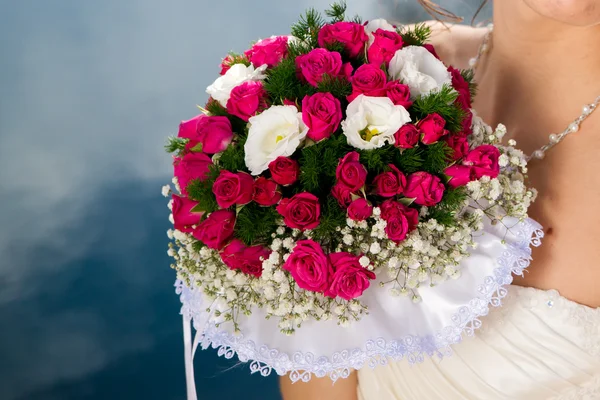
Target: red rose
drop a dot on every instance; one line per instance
(266, 192)
(322, 114)
(214, 133)
(431, 49)
(309, 266)
(407, 137)
(302, 211)
(400, 220)
(247, 100)
(398, 93)
(342, 194)
(284, 170)
(461, 86)
(268, 51)
(384, 46)
(190, 167)
(426, 189)
(391, 183)
(216, 230)
(460, 175)
(484, 161)
(459, 145)
(350, 172)
(467, 123)
(360, 209)
(312, 66)
(350, 34)
(350, 279)
(182, 213)
(236, 255)
(432, 128)
(368, 80)
(230, 188)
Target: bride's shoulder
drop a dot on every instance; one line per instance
(454, 43)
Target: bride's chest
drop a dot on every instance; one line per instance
(568, 206)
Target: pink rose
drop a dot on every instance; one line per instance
(384, 46)
(189, 129)
(360, 209)
(398, 93)
(459, 145)
(182, 213)
(247, 100)
(226, 64)
(342, 194)
(368, 80)
(231, 253)
(460, 175)
(214, 132)
(484, 161)
(322, 114)
(350, 279)
(391, 183)
(302, 211)
(190, 167)
(350, 172)
(216, 230)
(249, 260)
(284, 170)
(407, 137)
(350, 34)
(288, 102)
(400, 220)
(230, 188)
(319, 62)
(266, 192)
(268, 51)
(431, 49)
(309, 266)
(432, 128)
(426, 189)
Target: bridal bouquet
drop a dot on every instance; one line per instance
(338, 161)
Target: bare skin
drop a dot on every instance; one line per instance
(544, 65)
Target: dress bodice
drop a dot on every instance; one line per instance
(538, 345)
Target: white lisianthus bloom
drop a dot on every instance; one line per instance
(277, 131)
(221, 88)
(375, 24)
(416, 67)
(371, 122)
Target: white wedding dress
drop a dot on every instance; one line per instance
(537, 345)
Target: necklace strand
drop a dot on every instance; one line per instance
(555, 138)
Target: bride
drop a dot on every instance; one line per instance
(538, 70)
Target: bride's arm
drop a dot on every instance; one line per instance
(320, 389)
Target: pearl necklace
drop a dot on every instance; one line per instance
(555, 138)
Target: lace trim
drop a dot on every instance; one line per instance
(589, 391)
(514, 259)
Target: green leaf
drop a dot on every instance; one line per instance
(175, 144)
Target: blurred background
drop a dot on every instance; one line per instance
(89, 90)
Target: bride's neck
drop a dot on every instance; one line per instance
(551, 62)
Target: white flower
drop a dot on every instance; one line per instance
(364, 261)
(221, 88)
(416, 67)
(277, 131)
(166, 190)
(372, 121)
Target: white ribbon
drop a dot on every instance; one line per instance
(190, 350)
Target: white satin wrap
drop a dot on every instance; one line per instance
(395, 327)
